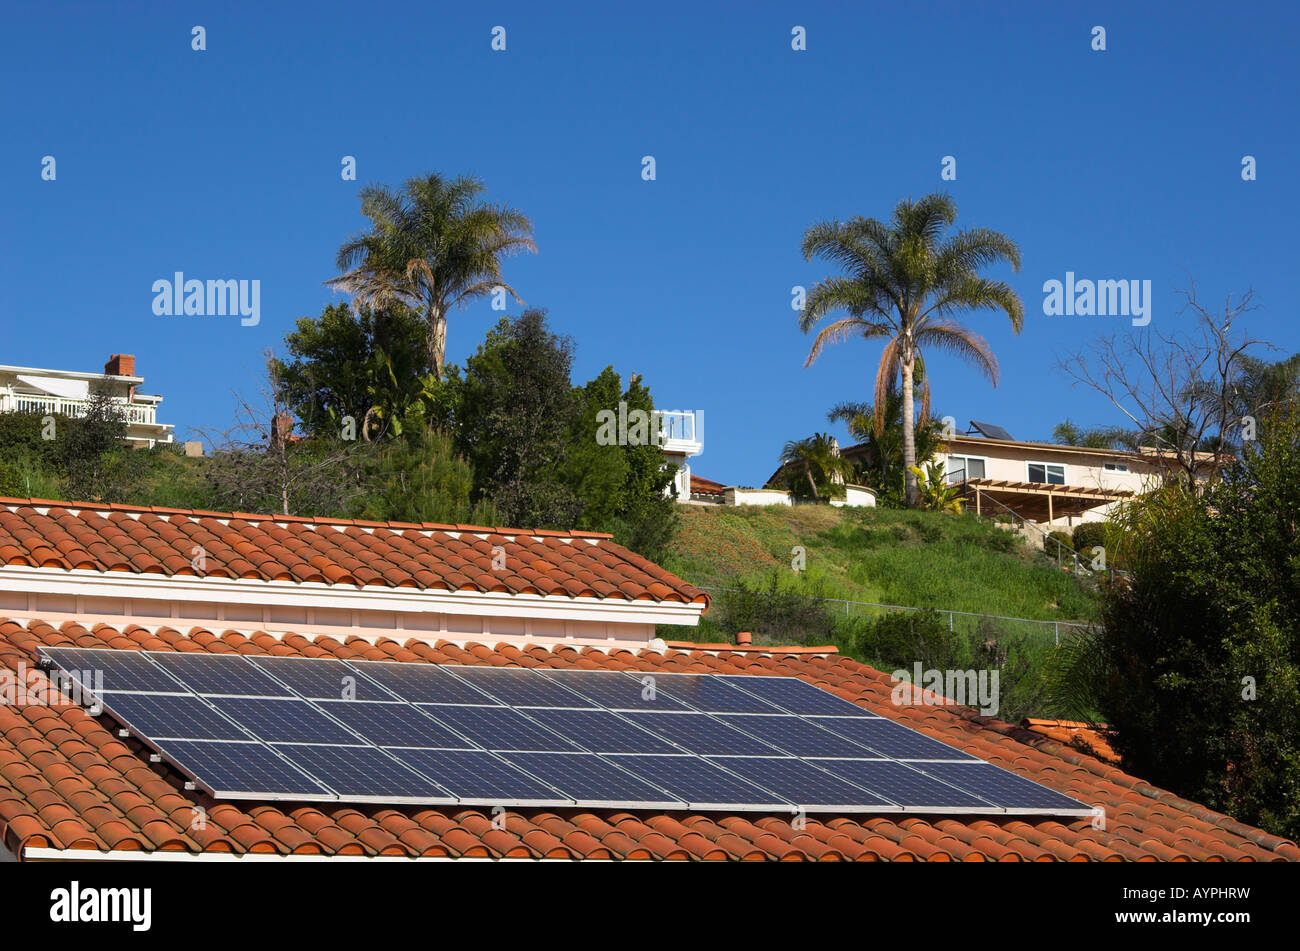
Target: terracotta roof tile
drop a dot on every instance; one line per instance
(67, 781)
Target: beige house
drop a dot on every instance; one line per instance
(67, 393)
(1048, 483)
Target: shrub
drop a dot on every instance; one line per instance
(11, 481)
(1062, 537)
(1089, 535)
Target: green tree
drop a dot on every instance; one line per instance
(365, 364)
(515, 415)
(903, 283)
(96, 463)
(434, 246)
(421, 478)
(813, 464)
(1197, 664)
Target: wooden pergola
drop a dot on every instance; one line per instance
(1039, 501)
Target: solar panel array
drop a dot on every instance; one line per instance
(302, 729)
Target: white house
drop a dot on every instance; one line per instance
(67, 392)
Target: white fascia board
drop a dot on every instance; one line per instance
(43, 854)
(249, 592)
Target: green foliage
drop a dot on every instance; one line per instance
(1197, 668)
(515, 418)
(1088, 535)
(348, 364)
(421, 478)
(899, 639)
(809, 468)
(1058, 543)
(775, 614)
(934, 492)
(11, 481)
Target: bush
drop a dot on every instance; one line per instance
(1062, 537)
(775, 616)
(1089, 535)
(11, 480)
(901, 638)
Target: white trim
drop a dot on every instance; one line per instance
(1065, 475)
(43, 854)
(948, 457)
(119, 585)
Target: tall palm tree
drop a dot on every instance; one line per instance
(818, 459)
(433, 246)
(903, 284)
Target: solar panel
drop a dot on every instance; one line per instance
(618, 692)
(242, 771)
(98, 669)
(499, 728)
(592, 780)
(903, 784)
(697, 734)
(520, 688)
(797, 736)
(601, 731)
(236, 678)
(321, 678)
(393, 724)
(160, 716)
(800, 782)
(388, 732)
(363, 772)
(794, 696)
(420, 683)
(990, 431)
(283, 721)
(711, 694)
(479, 776)
(890, 740)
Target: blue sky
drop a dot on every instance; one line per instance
(1123, 164)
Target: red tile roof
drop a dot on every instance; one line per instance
(1088, 737)
(67, 782)
(39, 533)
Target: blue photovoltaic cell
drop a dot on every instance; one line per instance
(158, 716)
(792, 694)
(247, 770)
(322, 678)
(891, 740)
(118, 670)
(585, 777)
(798, 781)
(283, 721)
(901, 783)
(1005, 788)
(601, 731)
(697, 781)
(478, 776)
(795, 735)
(421, 683)
(520, 687)
(233, 675)
(499, 728)
(393, 724)
(700, 734)
(615, 690)
(361, 771)
(711, 694)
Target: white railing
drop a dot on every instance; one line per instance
(133, 413)
(677, 425)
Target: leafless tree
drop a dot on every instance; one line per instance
(259, 465)
(1176, 388)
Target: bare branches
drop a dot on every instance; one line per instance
(1176, 388)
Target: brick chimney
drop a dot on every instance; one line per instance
(120, 364)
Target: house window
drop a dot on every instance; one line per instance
(1046, 473)
(960, 468)
(1115, 467)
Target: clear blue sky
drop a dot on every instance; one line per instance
(225, 164)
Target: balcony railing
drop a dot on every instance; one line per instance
(137, 414)
(677, 427)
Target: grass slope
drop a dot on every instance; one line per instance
(886, 556)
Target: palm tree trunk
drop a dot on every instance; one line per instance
(807, 470)
(437, 340)
(908, 365)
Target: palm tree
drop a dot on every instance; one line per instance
(433, 246)
(903, 284)
(818, 459)
(884, 449)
